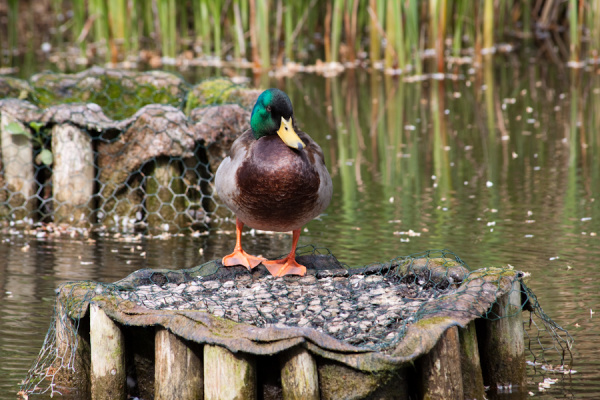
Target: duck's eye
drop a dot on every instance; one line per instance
(269, 108)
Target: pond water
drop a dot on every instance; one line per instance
(500, 165)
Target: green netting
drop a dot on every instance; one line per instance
(116, 150)
(373, 318)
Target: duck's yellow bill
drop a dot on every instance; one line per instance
(289, 136)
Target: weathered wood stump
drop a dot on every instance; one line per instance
(108, 357)
(165, 202)
(178, 370)
(299, 376)
(17, 157)
(72, 175)
(440, 374)
(338, 381)
(473, 387)
(228, 375)
(502, 342)
(73, 352)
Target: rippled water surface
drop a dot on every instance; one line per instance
(500, 166)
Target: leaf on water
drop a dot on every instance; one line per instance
(46, 157)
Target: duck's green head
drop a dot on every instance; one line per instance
(272, 114)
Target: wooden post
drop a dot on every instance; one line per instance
(502, 343)
(73, 351)
(469, 360)
(108, 357)
(228, 375)
(72, 174)
(440, 370)
(299, 376)
(164, 201)
(17, 159)
(178, 368)
(338, 381)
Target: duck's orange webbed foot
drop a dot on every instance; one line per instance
(240, 257)
(287, 266)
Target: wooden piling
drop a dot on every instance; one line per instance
(228, 375)
(502, 344)
(17, 160)
(72, 174)
(299, 376)
(107, 344)
(338, 381)
(440, 371)
(470, 363)
(165, 203)
(178, 368)
(73, 351)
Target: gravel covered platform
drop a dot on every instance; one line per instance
(367, 307)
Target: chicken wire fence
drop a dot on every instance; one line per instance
(115, 150)
(369, 309)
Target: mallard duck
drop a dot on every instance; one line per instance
(274, 179)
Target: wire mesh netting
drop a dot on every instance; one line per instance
(116, 150)
(373, 312)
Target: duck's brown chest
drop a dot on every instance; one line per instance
(278, 187)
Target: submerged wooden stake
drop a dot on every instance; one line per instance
(178, 368)
(299, 376)
(108, 357)
(228, 375)
(470, 363)
(502, 343)
(17, 159)
(440, 369)
(72, 174)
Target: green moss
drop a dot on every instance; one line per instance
(119, 94)
(15, 88)
(425, 323)
(492, 272)
(211, 92)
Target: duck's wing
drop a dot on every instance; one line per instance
(225, 178)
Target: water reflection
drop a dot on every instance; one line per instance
(500, 166)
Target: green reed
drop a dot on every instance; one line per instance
(13, 17)
(574, 31)
(488, 24)
(263, 33)
(593, 24)
(265, 30)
